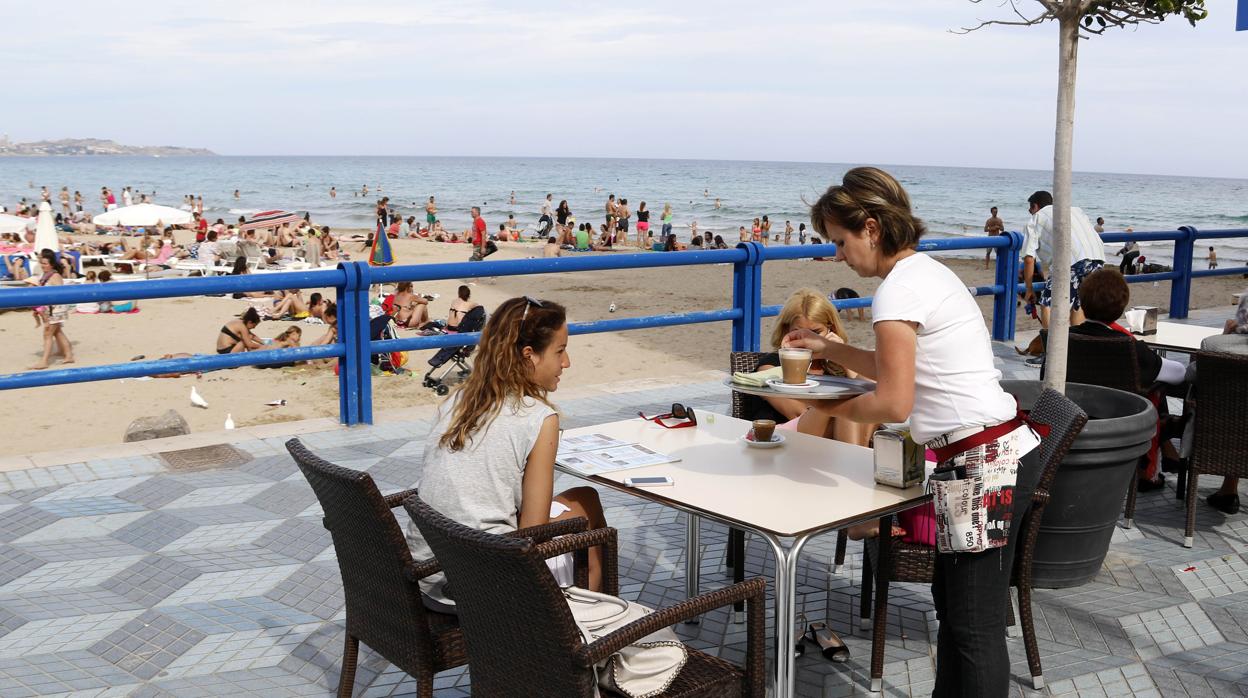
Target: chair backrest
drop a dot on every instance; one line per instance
(1220, 438)
(1109, 362)
(384, 609)
(742, 362)
(519, 630)
(1065, 420)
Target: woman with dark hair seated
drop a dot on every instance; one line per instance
(1104, 295)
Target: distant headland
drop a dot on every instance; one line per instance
(91, 146)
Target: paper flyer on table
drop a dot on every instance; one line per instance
(595, 454)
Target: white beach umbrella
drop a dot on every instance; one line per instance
(14, 224)
(143, 214)
(45, 230)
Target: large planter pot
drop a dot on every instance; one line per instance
(1086, 498)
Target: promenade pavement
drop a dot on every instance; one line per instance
(122, 576)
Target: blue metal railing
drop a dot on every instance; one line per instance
(352, 281)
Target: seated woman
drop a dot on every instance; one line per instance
(410, 309)
(505, 481)
(459, 308)
(289, 304)
(1104, 295)
(807, 309)
(236, 336)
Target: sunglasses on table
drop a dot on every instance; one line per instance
(679, 411)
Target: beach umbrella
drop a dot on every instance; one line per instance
(14, 224)
(272, 219)
(143, 214)
(45, 230)
(381, 255)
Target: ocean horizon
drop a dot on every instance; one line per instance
(952, 200)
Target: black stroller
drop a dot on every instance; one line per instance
(455, 357)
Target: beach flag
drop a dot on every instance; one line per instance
(381, 255)
(1241, 22)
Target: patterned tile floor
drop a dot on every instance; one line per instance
(120, 578)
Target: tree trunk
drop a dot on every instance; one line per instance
(1063, 148)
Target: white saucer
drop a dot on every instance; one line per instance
(776, 440)
(778, 384)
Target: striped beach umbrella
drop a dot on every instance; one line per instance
(272, 219)
(381, 255)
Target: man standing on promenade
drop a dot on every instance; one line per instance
(1087, 253)
(993, 226)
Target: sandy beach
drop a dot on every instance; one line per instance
(88, 414)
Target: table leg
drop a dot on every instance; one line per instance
(693, 558)
(786, 607)
(884, 571)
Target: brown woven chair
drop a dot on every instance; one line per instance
(521, 633)
(1219, 437)
(1109, 362)
(748, 362)
(915, 562)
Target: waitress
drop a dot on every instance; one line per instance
(932, 364)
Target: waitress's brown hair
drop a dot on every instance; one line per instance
(869, 192)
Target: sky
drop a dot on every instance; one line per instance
(882, 81)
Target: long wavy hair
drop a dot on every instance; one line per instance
(501, 375)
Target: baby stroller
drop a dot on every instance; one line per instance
(383, 327)
(456, 357)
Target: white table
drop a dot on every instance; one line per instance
(806, 487)
(1174, 336)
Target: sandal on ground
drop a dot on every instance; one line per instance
(830, 644)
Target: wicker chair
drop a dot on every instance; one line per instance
(748, 362)
(1219, 439)
(521, 633)
(1109, 362)
(915, 562)
(379, 577)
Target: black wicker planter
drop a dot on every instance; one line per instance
(1087, 496)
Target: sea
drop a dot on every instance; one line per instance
(953, 201)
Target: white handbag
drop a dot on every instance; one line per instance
(644, 668)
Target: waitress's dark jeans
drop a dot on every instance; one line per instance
(971, 591)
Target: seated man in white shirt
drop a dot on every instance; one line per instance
(207, 252)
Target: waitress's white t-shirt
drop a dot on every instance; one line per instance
(955, 382)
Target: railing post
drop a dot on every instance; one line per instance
(1004, 304)
(348, 365)
(1181, 288)
(747, 296)
(364, 355)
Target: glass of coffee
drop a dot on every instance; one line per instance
(764, 429)
(794, 365)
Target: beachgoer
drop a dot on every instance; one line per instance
(51, 317)
(1100, 225)
(459, 307)
(562, 212)
(431, 212)
(479, 238)
(512, 201)
(744, 234)
(669, 245)
(933, 364)
(506, 481)
(236, 194)
(551, 248)
(720, 244)
(643, 226)
(756, 230)
(847, 294)
(801, 233)
(333, 193)
(717, 204)
(765, 230)
(667, 220)
(1087, 253)
(1129, 252)
(788, 232)
(993, 226)
(612, 209)
(546, 221)
(330, 316)
(289, 338)
(693, 227)
(622, 213)
(236, 335)
(410, 309)
(64, 196)
(1213, 258)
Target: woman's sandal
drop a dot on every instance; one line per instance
(830, 644)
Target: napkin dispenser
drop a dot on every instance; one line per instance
(899, 461)
(1149, 323)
